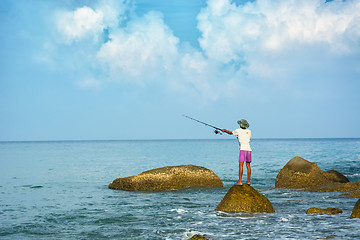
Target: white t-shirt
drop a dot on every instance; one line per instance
(243, 135)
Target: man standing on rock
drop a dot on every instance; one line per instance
(243, 135)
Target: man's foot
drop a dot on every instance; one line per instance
(238, 183)
(248, 183)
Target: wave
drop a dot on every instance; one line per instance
(179, 210)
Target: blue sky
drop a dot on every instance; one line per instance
(107, 70)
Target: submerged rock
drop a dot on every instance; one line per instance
(198, 237)
(356, 211)
(244, 198)
(330, 211)
(353, 194)
(330, 237)
(336, 187)
(168, 178)
(300, 173)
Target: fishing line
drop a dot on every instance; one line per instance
(217, 130)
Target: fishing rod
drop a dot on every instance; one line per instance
(217, 130)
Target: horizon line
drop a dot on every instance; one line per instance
(177, 139)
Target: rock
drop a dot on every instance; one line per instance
(330, 211)
(300, 173)
(356, 211)
(168, 178)
(244, 199)
(198, 237)
(336, 187)
(353, 194)
(336, 176)
(330, 237)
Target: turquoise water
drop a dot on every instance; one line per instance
(58, 190)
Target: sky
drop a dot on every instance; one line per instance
(126, 70)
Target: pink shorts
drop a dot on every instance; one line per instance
(245, 156)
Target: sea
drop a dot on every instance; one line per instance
(59, 190)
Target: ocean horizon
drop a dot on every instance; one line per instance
(180, 139)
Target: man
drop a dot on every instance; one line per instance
(243, 135)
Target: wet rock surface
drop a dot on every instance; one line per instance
(244, 198)
(168, 178)
(353, 194)
(300, 173)
(335, 176)
(330, 211)
(198, 237)
(336, 187)
(356, 211)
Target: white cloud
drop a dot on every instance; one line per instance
(81, 23)
(265, 40)
(144, 49)
(114, 11)
(87, 22)
(282, 44)
(229, 31)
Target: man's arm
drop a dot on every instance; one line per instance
(227, 131)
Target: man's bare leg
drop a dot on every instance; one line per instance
(241, 167)
(248, 172)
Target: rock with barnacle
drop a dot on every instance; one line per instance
(300, 173)
(198, 237)
(356, 211)
(168, 178)
(329, 211)
(244, 198)
(353, 194)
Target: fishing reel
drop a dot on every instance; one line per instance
(218, 132)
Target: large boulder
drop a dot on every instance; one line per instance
(300, 173)
(330, 211)
(168, 178)
(244, 198)
(356, 211)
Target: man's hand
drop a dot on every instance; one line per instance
(226, 131)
